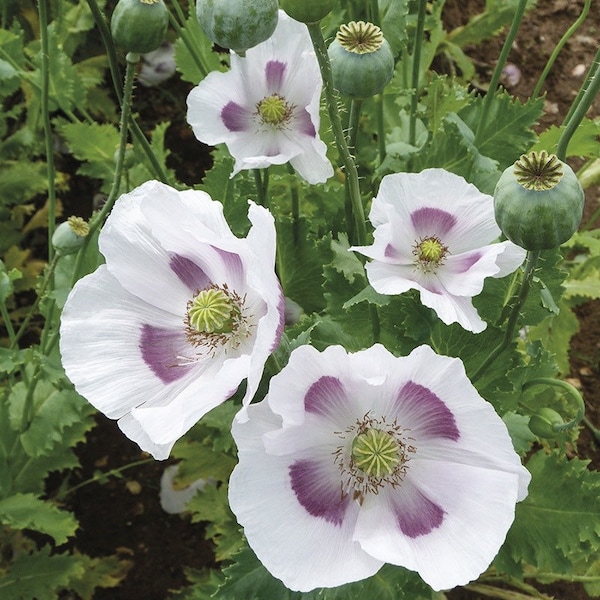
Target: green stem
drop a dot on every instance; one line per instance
(100, 476)
(44, 107)
(570, 390)
(530, 265)
(295, 205)
(187, 39)
(33, 310)
(563, 40)
(595, 431)
(115, 74)
(331, 101)
(416, 69)
(353, 120)
(584, 103)
(261, 179)
(380, 127)
(7, 323)
(588, 78)
(489, 97)
(98, 219)
(491, 591)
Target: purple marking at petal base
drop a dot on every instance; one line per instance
(281, 324)
(465, 263)
(159, 351)
(234, 117)
(420, 517)
(429, 221)
(304, 123)
(390, 252)
(189, 273)
(274, 72)
(323, 395)
(426, 412)
(232, 262)
(318, 494)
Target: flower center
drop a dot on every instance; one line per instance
(212, 311)
(215, 318)
(274, 110)
(430, 253)
(360, 37)
(538, 171)
(375, 452)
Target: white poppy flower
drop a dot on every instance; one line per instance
(179, 315)
(356, 460)
(266, 108)
(434, 233)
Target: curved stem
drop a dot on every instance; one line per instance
(593, 67)
(187, 40)
(100, 476)
(295, 205)
(331, 101)
(571, 391)
(416, 68)
(115, 74)
(44, 107)
(563, 40)
(582, 106)
(530, 265)
(97, 221)
(489, 97)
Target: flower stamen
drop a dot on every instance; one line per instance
(215, 318)
(430, 253)
(274, 110)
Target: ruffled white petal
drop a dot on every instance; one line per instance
(304, 551)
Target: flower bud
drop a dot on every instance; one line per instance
(68, 236)
(139, 26)
(362, 63)
(538, 201)
(237, 25)
(543, 424)
(307, 11)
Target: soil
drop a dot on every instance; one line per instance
(124, 516)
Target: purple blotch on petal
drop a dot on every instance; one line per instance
(159, 352)
(420, 516)
(304, 123)
(466, 262)
(323, 395)
(425, 412)
(274, 72)
(189, 273)
(430, 221)
(391, 252)
(318, 494)
(234, 117)
(281, 324)
(233, 264)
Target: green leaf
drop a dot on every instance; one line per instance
(507, 131)
(584, 143)
(95, 144)
(27, 511)
(103, 572)
(202, 49)
(300, 263)
(520, 434)
(559, 521)
(393, 14)
(6, 282)
(39, 575)
(200, 461)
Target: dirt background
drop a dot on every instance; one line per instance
(124, 516)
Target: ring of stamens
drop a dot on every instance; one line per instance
(274, 110)
(215, 318)
(430, 253)
(373, 454)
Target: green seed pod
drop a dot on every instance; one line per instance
(237, 25)
(543, 423)
(362, 62)
(307, 11)
(538, 201)
(139, 26)
(68, 236)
